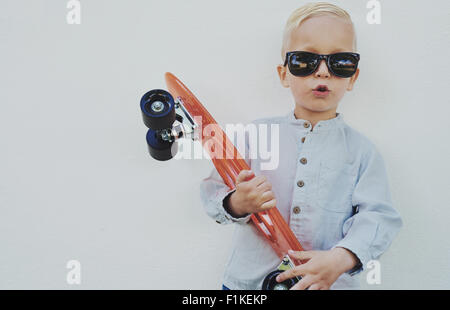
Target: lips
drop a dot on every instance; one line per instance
(321, 91)
(322, 88)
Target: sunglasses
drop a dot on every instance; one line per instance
(304, 63)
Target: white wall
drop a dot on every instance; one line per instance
(76, 181)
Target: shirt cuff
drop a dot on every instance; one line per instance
(224, 217)
(362, 256)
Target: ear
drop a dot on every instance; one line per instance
(353, 80)
(282, 74)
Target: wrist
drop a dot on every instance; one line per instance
(345, 258)
(230, 206)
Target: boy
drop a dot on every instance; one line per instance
(330, 186)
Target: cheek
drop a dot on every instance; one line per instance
(341, 88)
(299, 92)
(298, 85)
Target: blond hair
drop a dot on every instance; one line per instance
(307, 11)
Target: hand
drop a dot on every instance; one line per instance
(322, 268)
(252, 195)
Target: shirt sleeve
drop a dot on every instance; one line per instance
(213, 190)
(370, 231)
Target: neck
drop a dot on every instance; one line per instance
(312, 116)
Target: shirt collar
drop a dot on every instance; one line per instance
(321, 125)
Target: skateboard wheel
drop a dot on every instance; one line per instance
(270, 282)
(158, 148)
(158, 109)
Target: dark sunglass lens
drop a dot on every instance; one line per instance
(302, 64)
(344, 65)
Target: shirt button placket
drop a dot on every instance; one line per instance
(300, 183)
(306, 125)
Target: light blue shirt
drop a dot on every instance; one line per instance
(343, 201)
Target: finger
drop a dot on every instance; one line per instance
(258, 180)
(267, 196)
(264, 187)
(302, 255)
(268, 205)
(246, 176)
(243, 176)
(290, 273)
(303, 284)
(314, 287)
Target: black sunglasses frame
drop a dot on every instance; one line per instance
(320, 58)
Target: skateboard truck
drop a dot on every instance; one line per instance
(270, 282)
(168, 121)
(183, 127)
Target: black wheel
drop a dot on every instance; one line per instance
(158, 109)
(270, 282)
(158, 148)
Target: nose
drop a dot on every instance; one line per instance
(322, 71)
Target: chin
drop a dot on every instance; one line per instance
(317, 108)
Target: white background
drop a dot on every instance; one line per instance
(76, 181)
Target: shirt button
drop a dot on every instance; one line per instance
(300, 183)
(296, 210)
(306, 124)
(303, 140)
(303, 161)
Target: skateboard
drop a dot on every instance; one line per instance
(172, 115)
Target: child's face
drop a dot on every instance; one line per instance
(325, 34)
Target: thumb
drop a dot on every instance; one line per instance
(243, 176)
